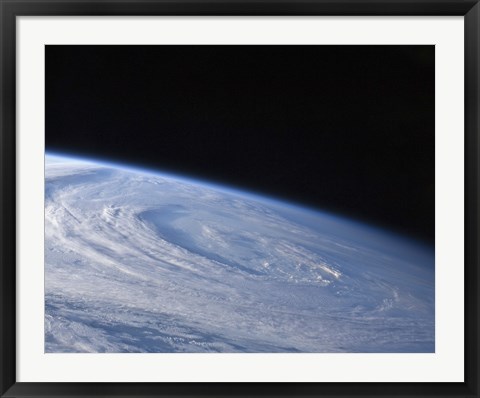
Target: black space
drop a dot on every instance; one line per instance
(348, 129)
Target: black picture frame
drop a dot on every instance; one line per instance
(10, 9)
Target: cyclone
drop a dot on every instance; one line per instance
(144, 261)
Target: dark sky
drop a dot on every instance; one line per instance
(348, 129)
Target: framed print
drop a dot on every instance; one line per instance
(239, 199)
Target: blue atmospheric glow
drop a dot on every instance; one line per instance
(278, 203)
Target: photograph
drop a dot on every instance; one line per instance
(239, 199)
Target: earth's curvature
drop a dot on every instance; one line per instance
(139, 261)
